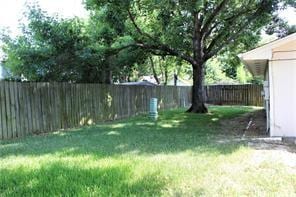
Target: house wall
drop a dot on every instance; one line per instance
(282, 72)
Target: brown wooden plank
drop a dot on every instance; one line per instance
(23, 115)
(8, 111)
(12, 108)
(54, 106)
(3, 115)
(17, 110)
(74, 106)
(30, 107)
(39, 108)
(34, 103)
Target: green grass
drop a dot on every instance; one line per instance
(180, 155)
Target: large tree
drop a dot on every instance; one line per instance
(194, 30)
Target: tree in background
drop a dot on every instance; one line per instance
(165, 68)
(107, 32)
(279, 26)
(56, 49)
(48, 48)
(193, 31)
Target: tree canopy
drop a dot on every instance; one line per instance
(124, 36)
(55, 49)
(193, 31)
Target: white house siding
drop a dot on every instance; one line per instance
(282, 74)
(281, 58)
(282, 97)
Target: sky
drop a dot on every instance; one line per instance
(11, 11)
(290, 15)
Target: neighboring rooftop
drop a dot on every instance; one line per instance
(3, 72)
(180, 82)
(140, 83)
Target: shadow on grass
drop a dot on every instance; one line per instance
(174, 132)
(59, 179)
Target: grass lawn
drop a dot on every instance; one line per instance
(181, 155)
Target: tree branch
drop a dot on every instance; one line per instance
(132, 18)
(168, 50)
(231, 22)
(208, 33)
(211, 52)
(164, 48)
(228, 41)
(196, 39)
(153, 70)
(216, 11)
(117, 50)
(159, 46)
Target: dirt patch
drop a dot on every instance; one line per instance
(273, 151)
(270, 144)
(251, 129)
(249, 125)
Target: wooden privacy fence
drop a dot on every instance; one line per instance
(27, 108)
(247, 94)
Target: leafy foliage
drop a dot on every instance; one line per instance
(280, 27)
(55, 49)
(48, 48)
(192, 31)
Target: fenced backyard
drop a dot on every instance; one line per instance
(27, 108)
(182, 154)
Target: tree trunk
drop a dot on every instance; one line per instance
(175, 79)
(166, 75)
(107, 76)
(154, 71)
(161, 69)
(198, 96)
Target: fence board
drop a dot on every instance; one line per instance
(3, 124)
(8, 111)
(17, 110)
